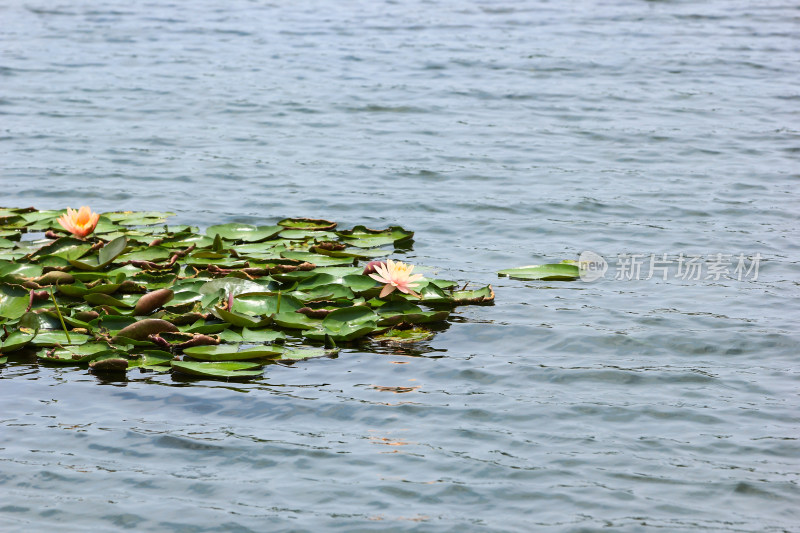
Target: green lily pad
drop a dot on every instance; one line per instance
(357, 253)
(483, 296)
(240, 319)
(78, 354)
(313, 224)
(394, 336)
(152, 360)
(363, 237)
(54, 337)
(11, 272)
(13, 302)
(67, 248)
(345, 324)
(332, 291)
(244, 232)
(137, 218)
(393, 313)
(228, 286)
(232, 353)
(307, 235)
(16, 340)
(293, 320)
(262, 335)
(105, 257)
(228, 369)
(266, 303)
(318, 259)
(301, 354)
(549, 272)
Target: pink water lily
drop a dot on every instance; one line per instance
(396, 275)
(80, 223)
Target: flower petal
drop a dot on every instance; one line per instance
(378, 278)
(387, 289)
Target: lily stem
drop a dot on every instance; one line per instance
(58, 312)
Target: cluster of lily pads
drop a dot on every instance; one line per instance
(122, 290)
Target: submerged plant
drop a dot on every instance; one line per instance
(81, 222)
(396, 275)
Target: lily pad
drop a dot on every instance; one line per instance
(403, 336)
(105, 257)
(78, 354)
(314, 224)
(483, 296)
(240, 319)
(228, 369)
(363, 237)
(301, 354)
(13, 302)
(244, 232)
(548, 272)
(262, 335)
(55, 338)
(137, 218)
(345, 324)
(16, 340)
(232, 353)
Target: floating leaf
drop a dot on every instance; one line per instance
(265, 303)
(357, 253)
(363, 237)
(315, 224)
(13, 302)
(307, 235)
(244, 232)
(109, 363)
(262, 335)
(229, 369)
(137, 218)
(393, 313)
(549, 272)
(231, 352)
(67, 248)
(295, 321)
(16, 340)
(104, 258)
(483, 296)
(346, 324)
(240, 319)
(228, 286)
(318, 259)
(301, 354)
(395, 336)
(10, 271)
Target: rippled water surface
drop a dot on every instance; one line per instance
(504, 133)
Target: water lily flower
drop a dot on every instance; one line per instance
(396, 275)
(81, 222)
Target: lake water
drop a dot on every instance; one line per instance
(505, 133)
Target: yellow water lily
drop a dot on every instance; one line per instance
(396, 275)
(81, 222)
